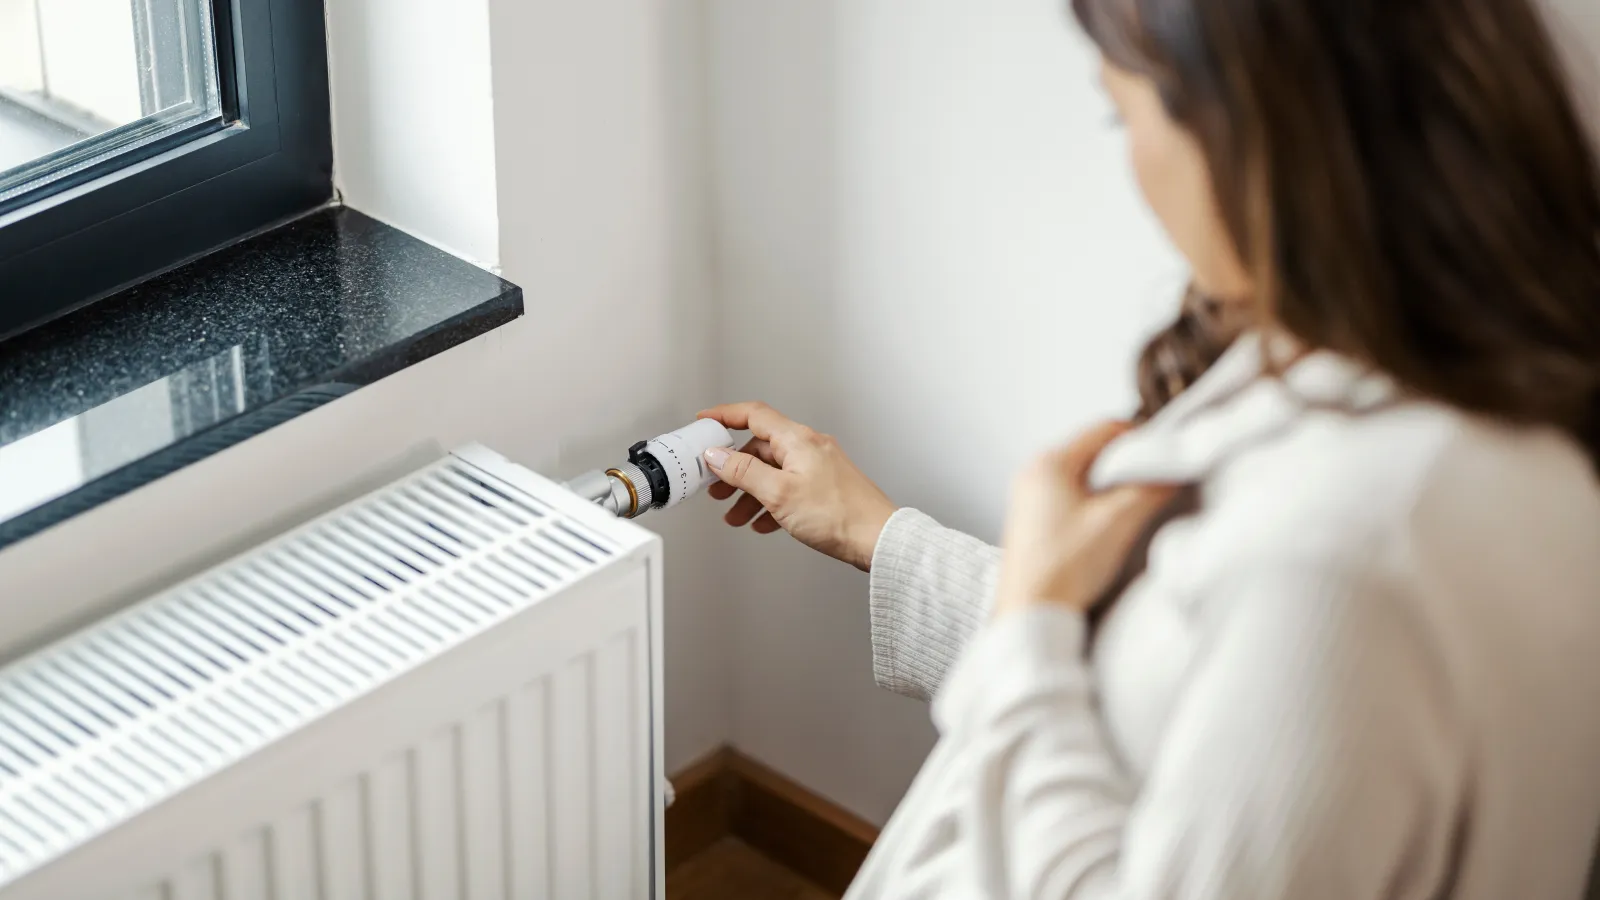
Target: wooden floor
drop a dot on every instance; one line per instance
(731, 870)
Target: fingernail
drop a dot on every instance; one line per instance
(716, 457)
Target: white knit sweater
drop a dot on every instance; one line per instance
(1368, 668)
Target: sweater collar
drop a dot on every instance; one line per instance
(1236, 405)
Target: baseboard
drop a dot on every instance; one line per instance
(813, 836)
(726, 793)
(701, 813)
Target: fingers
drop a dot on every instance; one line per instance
(746, 472)
(1127, 510)
(740, 514)
(759, 418)
(756, 447)
(734, 415)
(763, 450)
(748, 507)
(1079, 457)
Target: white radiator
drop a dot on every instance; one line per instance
(447, 690)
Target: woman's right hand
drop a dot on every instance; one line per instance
(804, 482)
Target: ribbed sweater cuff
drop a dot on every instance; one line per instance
(929, 592)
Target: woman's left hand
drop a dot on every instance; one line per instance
(1064, 543)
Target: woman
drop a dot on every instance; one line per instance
(1360, 657)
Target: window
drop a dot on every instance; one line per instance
(83, 81)
(137, 134)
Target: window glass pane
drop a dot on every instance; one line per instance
(84, 80)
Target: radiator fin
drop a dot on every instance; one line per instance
(113, 720)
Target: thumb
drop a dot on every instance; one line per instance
(744, 471)
(1127, 510)
(1081, 454)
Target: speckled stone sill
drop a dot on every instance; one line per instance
(189, 363)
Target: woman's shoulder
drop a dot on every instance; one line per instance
(1480, 537)
(1475, 540)
(1412, 485)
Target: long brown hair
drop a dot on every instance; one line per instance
(1410, 184)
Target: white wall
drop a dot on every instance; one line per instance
(927, 243)
(413, 115)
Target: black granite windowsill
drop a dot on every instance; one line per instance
(196, 360)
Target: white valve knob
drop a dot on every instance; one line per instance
(681, 454)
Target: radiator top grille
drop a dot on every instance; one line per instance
(116, 718)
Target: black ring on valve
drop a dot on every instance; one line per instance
(660, 488)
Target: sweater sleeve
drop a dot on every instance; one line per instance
(931, 589)
(1315, 753)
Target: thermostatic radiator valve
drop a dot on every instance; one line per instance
(659, 473)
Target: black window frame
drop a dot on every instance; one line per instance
(268, 160)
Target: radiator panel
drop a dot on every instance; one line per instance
(515, 756)
(466, 807)
(466, 811)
